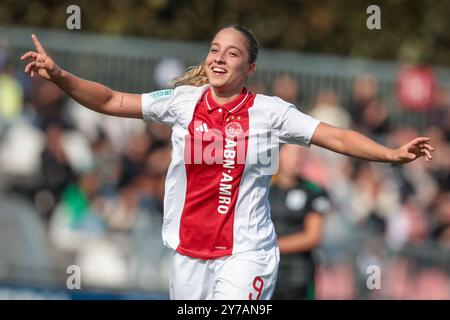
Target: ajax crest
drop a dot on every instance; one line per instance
(233, 129)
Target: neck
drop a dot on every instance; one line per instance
(222, 97)
(286, 181)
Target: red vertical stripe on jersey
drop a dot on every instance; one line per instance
(207, 220)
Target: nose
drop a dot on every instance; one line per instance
(219, 59)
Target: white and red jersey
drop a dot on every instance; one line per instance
(216, 192)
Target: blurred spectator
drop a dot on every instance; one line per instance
(143, 193)
(120, 211)
(298, 207)
(440, 230)
(159, 133)
(108, 163)
(313, 167)
(19, 153)
(287, 88)
(166, 70)
(365, 91)
(374, 198)
(375, 120)
(259, 87)
(76, 219)
(439, 115)
(25, 248)
(133, 161)
(327, 109)
(11, 92)
(103, 265)
(407, 226)
(47, 103)
(440, 166)
(56, 172)
(118, 131)
(157, 164)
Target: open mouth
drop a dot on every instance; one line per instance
(218, 71)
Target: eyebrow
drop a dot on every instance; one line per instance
(234, 47)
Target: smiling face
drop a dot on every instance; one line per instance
(227, 64)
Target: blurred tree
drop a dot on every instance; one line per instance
(412, 30)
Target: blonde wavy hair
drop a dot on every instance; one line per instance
(196, 75)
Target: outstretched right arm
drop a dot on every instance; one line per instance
(92, 95)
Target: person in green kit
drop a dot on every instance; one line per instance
(298, 212)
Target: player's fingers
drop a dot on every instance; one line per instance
(420, 140)
(428, 154)
(428, 146)
(29, 66)
(40, 58)
(37, 44)
(32, 72)
(29, 55)
(40, 64)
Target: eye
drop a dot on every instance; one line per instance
(213, 50)
(233, 54)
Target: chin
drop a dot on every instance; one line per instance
(216, 81)
(217, 84)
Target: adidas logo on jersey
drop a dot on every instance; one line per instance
(202, 128)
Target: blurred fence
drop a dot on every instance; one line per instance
(364, 267)
(128, 64)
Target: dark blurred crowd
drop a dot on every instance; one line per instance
(96, 182)
(407, 207)
(405, 204)
(92, 177)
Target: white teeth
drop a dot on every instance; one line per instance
(217, 69)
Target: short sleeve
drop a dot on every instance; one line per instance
(158, 106)
(320, 203)
(297, 127)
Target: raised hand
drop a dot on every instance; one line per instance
(39, 62)
(412, 150)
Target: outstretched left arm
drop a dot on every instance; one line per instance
(356, 145)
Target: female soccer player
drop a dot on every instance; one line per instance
(217, 216)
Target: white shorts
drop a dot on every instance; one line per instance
(242, 276)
